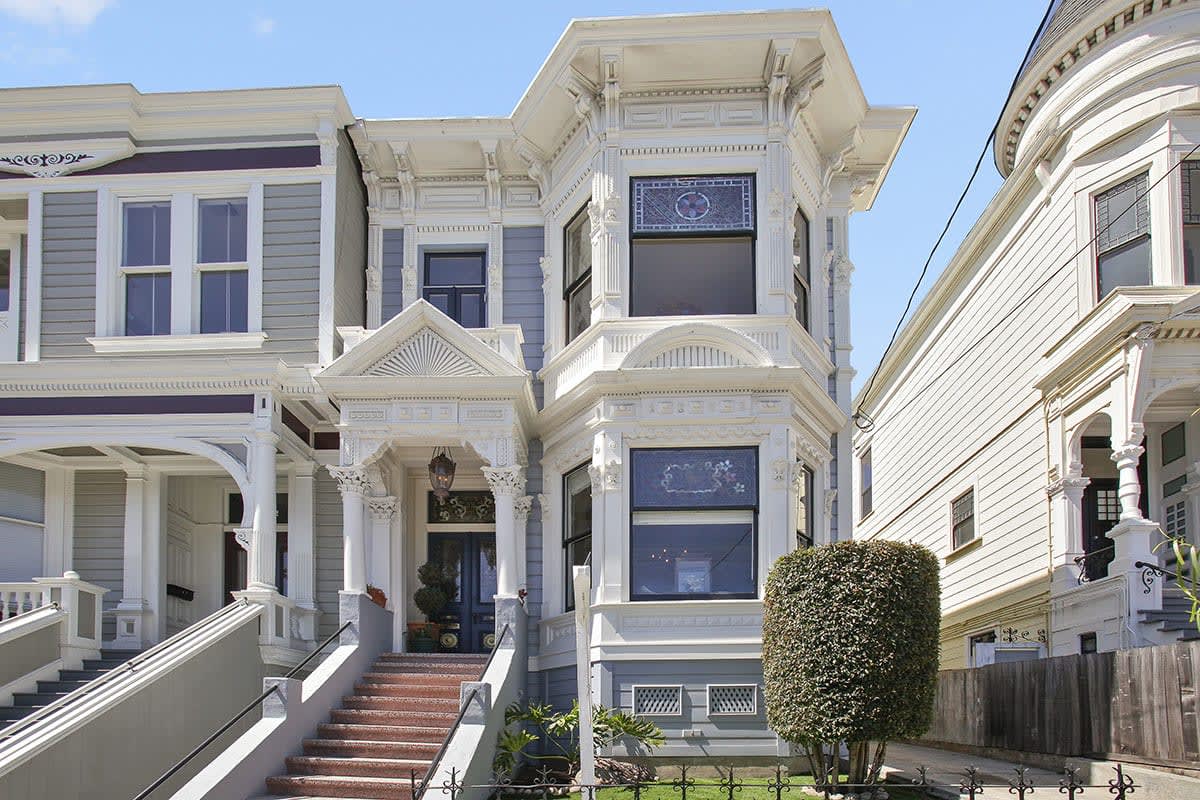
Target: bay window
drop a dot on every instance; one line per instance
(1191, 222)
(146, 267)
(577, 526)
(693, 532)
(1122, 219)
(692, 246)
(221, 260)
(577, 273)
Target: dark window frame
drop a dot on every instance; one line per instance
(807, 537)
(456, 291)
(752, 234)
(585, 278)
(1103, 217)
(568, 541)
(973, 518)
(754, 530)
(803, 310)
(866, 483)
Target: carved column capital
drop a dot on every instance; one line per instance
(351, 479)
(1070, 485)
(544, 504)
(382, 508)
(505, 480)
(1127, 452)
(522, 506)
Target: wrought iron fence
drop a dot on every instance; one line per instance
(774, 786)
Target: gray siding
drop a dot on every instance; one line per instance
(350, 238)
(291, 270)
(22, 493)
(68, 273)
(733, 735)
(558, 687)
(523, 299)
(327, 549)
(100, 534)
(393, 272)
(533, 545)
(22, 497)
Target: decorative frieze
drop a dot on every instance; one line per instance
(44, 165)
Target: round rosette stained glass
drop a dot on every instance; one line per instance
(449, 640)
(692, 205)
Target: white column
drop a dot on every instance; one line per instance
(379, 564)
(59, 543)
(301, 578)
(1066, 532)
(33, 276)
(608, 518)
(354, 486)
(1134, 539)
(522, 507)
(507, 483)
(1129, 488)
(140, 564)
(261, 569)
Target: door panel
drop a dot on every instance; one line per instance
(1101, 513)
(468, 621)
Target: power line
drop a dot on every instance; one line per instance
(859, 414)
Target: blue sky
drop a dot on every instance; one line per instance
(953, 60)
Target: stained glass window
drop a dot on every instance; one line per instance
(704, 203)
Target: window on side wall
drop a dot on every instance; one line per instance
(692, 246)
(577, 273)
(973, 642)
(694, 523)
(805, 511)
(866, 480)
(962, 519)
(146, 267)
(1191, 222)
(455, 284)
(577, 527)
(802, 269)
(1122, 220)
(221, 261)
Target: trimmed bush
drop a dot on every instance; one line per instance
(850, 649)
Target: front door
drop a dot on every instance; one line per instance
(1101, 512)
(468, 622)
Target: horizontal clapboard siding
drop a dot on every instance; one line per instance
(393, 273)
(327, 548)
(68, 273)
(291, 270)
(100, 534)
(350, 238)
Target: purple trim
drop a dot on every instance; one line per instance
(153, 404)
(206, 161)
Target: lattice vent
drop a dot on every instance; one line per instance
(733, 699)
(658, 701)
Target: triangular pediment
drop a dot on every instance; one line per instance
(421, 342)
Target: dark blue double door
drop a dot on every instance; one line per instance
(468, 622)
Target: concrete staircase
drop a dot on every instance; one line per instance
(1173, 617)
(25, 703)
(389, 730)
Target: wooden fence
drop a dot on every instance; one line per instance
(1139, 703)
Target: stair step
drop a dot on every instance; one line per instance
(81, 674)
(341, 786)
(14, 713)
(438, 691)
(360, 748)
(60, 687)
(356, 767)
(377, 703)
(35, 699)
(103, 663)
(355, 716)
(383, 733)
(435, 658)
(413, 679)
(463, 672)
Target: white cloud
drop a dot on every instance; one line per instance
(263, 26)
(80, 13)
(23, 55)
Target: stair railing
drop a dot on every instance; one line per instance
(96, 684)
(253, 704)
(419, 791)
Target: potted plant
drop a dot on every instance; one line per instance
(438, 581)
(377, 595)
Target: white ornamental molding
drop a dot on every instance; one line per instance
(242, 537)
(382, 508)
(351, 480)
(425, 354)
(64, 157)
(505, 480)
(521, 508)
(547, 509)
(43, 165)
(779, 470)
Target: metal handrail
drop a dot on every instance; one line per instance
(419, 792)
(96, 684)
(166, 776)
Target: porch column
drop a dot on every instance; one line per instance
(1066, 534)
(354, 485)
(301, 582)
(379, 567)
(507, 483)
(261, 568)
(1133, 539)
(521, 508)
(141, 555)
(1129, 488)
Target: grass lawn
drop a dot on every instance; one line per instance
(710, 789)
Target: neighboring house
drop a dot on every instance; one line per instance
(238, 324)
(1036, 421)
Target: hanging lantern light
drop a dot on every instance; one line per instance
(441, 473)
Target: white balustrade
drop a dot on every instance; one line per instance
(81, 601)
(21, 598)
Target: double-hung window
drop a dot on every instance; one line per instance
(693, 532)
(454, 282)
(577, 526)
(221, 262)
(866, 484)
(1122, 222)
(577, 273)
(1191, 222)
(806, 527)
(146, 267)
(962, 519)
(801, 269)
(692, 246)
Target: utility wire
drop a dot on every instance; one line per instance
(861, 418)
(1027, 297)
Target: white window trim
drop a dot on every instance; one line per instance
(184, 268)
(708, 700)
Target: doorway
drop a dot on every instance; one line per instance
(468, 622)
(236, 565)
(1101, 513)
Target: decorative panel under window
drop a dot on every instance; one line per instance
(703, 204)
(1114, 225)
(695, 478)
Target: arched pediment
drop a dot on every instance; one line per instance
(697, 345)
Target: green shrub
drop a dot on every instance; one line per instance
(850, 650)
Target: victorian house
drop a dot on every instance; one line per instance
(259, 352)
(1036, 421)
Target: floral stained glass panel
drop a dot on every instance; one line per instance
(703, 203)
(463, 507)
(695, 478)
